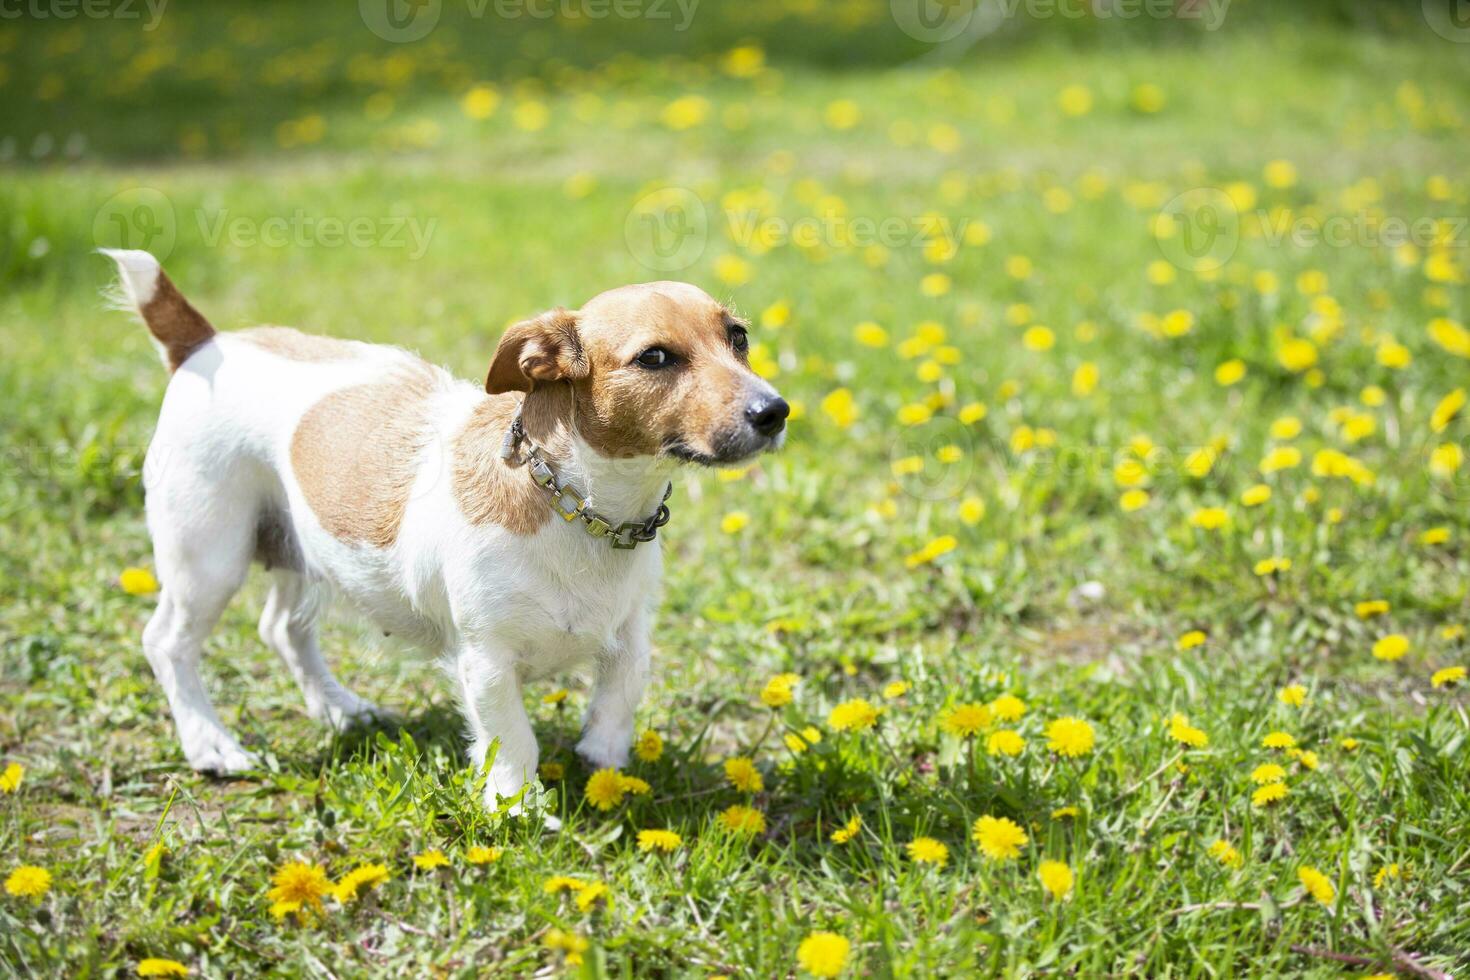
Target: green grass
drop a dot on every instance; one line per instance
(1366, 102)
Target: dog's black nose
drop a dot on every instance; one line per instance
(767, 414)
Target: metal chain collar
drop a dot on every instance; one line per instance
(570, 504)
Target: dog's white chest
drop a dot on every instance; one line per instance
(569, 599)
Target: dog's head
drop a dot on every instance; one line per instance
(655, 368)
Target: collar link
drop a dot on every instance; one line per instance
(569, 503)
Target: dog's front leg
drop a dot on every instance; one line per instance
(492, 704)
(622, 674)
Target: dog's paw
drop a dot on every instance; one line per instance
(345, 710)
(604, 751)
(223, 759)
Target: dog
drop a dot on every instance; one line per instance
(509, 530)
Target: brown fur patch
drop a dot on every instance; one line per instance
(355, 456)
(178, 326)
(490, 490)
(298, 346)
(629, 412)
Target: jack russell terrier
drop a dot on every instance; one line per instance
(510, 531)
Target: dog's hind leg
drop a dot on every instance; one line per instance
(288, 626)
(198, 580)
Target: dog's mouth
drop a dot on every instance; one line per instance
(728, 450)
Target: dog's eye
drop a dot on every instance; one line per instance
(655, 357)
(739, 340)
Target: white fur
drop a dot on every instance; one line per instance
(495, 607)
(139, 273)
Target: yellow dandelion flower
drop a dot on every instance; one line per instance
(1318, 885)
(1306, 757)
(1256, 495)
(482, 855)
(1063, 812)
(28, 881)
(659, 840)
(1000, 838)
(1180, 730)
(1069, 736)
(1293, 694)
(1389, 872)
(605, 789)
(743, 775)
(137, 581)
(856, 715)
(1075, 100)
(823, 954)
(1446, 409)
(557, 884)
(592, 894)
(1230, 372)
(778, 690)
(734, 522)
(1133, 500)
(1005, 742)
(895, 689)
(1056, 877)
(870, 334)
(1391, 647)
(429, 860)
(364, 876)
(1272, 565)
(1278, 740)
(1227, 855)
(300, 885)
(1268, 794)
(1269, 772)
(1434, 536)
(1008, 707)
(965, 720)
(569, 944)
(1370, 608)
(650, 746)
(1447, 676)
(743, 820)
(847, 831)
(157, 967)
(927, 850)
(1192, 639)
(10, 779)
(1210, 518)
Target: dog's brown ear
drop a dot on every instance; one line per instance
(545, 348)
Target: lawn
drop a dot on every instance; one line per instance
(1104, 615)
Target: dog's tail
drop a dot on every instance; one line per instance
(177, 326)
